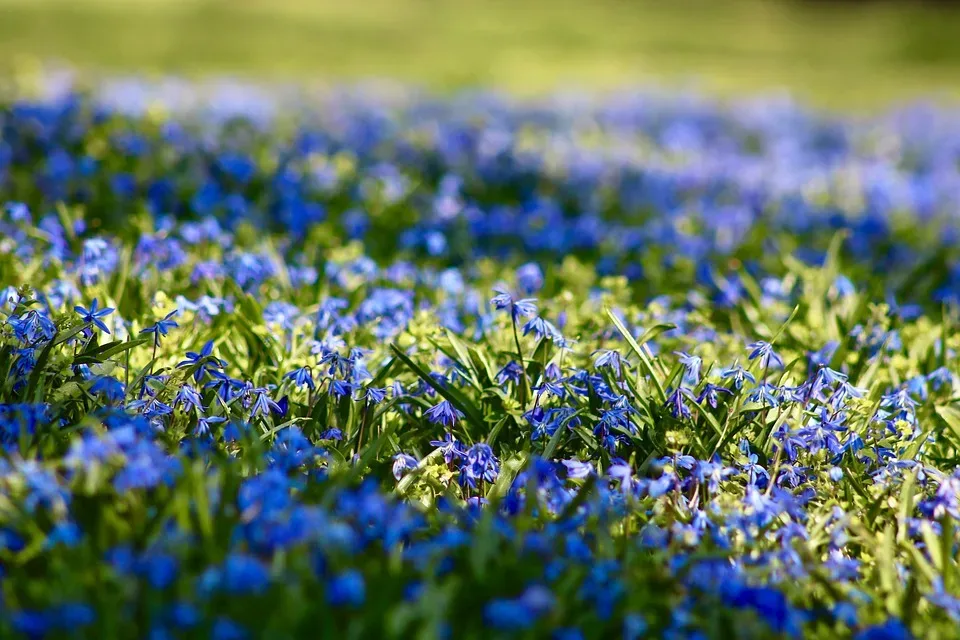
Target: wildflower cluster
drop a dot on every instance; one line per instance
(648, 367)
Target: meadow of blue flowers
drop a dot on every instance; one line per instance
(369, 364)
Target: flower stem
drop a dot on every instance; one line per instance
(523, 379)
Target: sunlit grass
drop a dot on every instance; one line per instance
(834, 56)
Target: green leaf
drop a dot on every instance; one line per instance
(906, 504)
(464, 362)
(41, 364)
(558, 435)
(63, 336)
(450, 394)
(413, 474)
(385, 369)
(138, 380)
(932, 543)
(107, 351)
(492, 437)
(580, 499)
(646, 362)
(946, 551)
(463, 352)
(370, 453)
(951, 417)
(886, 559)
(508, 472)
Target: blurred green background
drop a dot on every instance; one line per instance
(853, 54)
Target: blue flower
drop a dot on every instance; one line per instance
(530, 277)
(765, 353)
(160, 569)
(64, 533)
(73, 615)
(402, 463)
(161, 328)
(347, 589)
(770, 604)
(691, 367)
(202, 361)
(184, 615)
(226, 629)
(526, 307)
(608, 358)
(122, 560)
(756, 474)
(738, 375)
(94, 314)
(444, 413)
(949, 603)
(263, 404)
(940, 378)
(188, 399)
(709, 394)
(542, 328)
(892, 629)
(291, 450)
(32, 624)
(301, 377)
(479, 464)
(519, 613)
(32, 327)
(634, 626)
(376, 395)
(18, 211)
(341, 388)
(676, 404)
(205, 424)
(332, 433)
(512, 371)
(765, 394)
(111, 389)
(450, 447)
(244, 574)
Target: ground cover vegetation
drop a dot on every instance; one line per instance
(364, 365)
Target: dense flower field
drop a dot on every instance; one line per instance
(366, 365)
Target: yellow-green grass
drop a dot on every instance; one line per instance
(851, 55)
